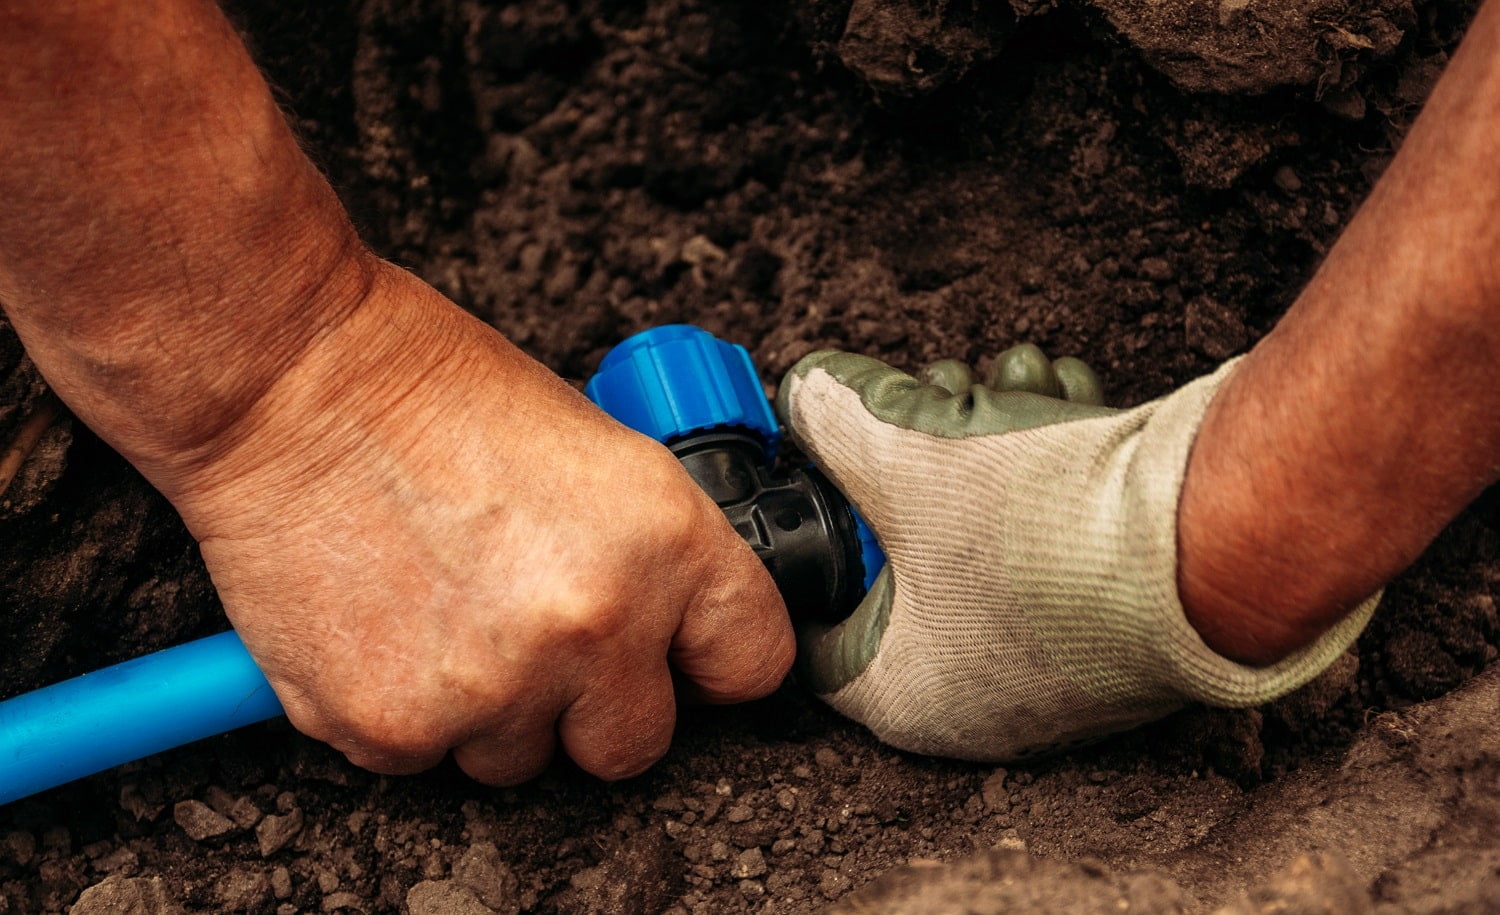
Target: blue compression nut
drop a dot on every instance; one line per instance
(673, 381)
(677, 380)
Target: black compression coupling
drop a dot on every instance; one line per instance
(702, 398)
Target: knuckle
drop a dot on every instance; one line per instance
(503, 773)
(581, 618)
(677, 504)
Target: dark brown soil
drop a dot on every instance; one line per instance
(907, 179)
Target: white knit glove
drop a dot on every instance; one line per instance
(1030, 600)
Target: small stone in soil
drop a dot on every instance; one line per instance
(281, 883)
(274, 832)
(244, 812)
(833, 884)
(349, 901)
(444, 897)
(241, 890)
(200, 821)
(996, 796)
(750, 863)
(135, 895)
(485, 873)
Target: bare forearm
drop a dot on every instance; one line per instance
(1371, 415)
(165, 247)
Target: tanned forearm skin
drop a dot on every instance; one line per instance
(1370, 416)
(163, 240)
(427, 541)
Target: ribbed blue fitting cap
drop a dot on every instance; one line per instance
(672, 381)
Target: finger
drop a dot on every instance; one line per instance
(623, 724)
(383, 762)
(1023, 368)
(514, 751)
(1078, 381)
(734, 641)
(829, 657)
(371, 737)
(952, 375)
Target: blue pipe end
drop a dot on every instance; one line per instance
(131, 710)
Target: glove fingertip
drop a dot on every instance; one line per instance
(1023, 367)
(794, 377)
(1079, 382)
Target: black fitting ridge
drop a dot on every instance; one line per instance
(799, 525)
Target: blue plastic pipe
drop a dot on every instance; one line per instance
(129, 711)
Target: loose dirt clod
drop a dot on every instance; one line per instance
(200, 821)
(127, 896)
(275, 832)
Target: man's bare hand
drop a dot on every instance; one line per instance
(428, 542)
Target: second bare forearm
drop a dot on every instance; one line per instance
(1371, 415)
(164, 244)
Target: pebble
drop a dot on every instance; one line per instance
(750, 863)
(996, 796)
(444, 897)
(833, 884)
(739, 814)
(200, 821)
(241, 890)
(244, 813)
(339, 901)
(827, 758)
(133, 895)
(274, 832)
(281, 883)
(698, 251)
(488, 877)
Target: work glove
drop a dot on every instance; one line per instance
(1030, 601)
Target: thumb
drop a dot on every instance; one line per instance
(830, 657)
(824, 404)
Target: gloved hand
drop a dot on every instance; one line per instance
(1030, 599)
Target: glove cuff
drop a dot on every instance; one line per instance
(1122, 548)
